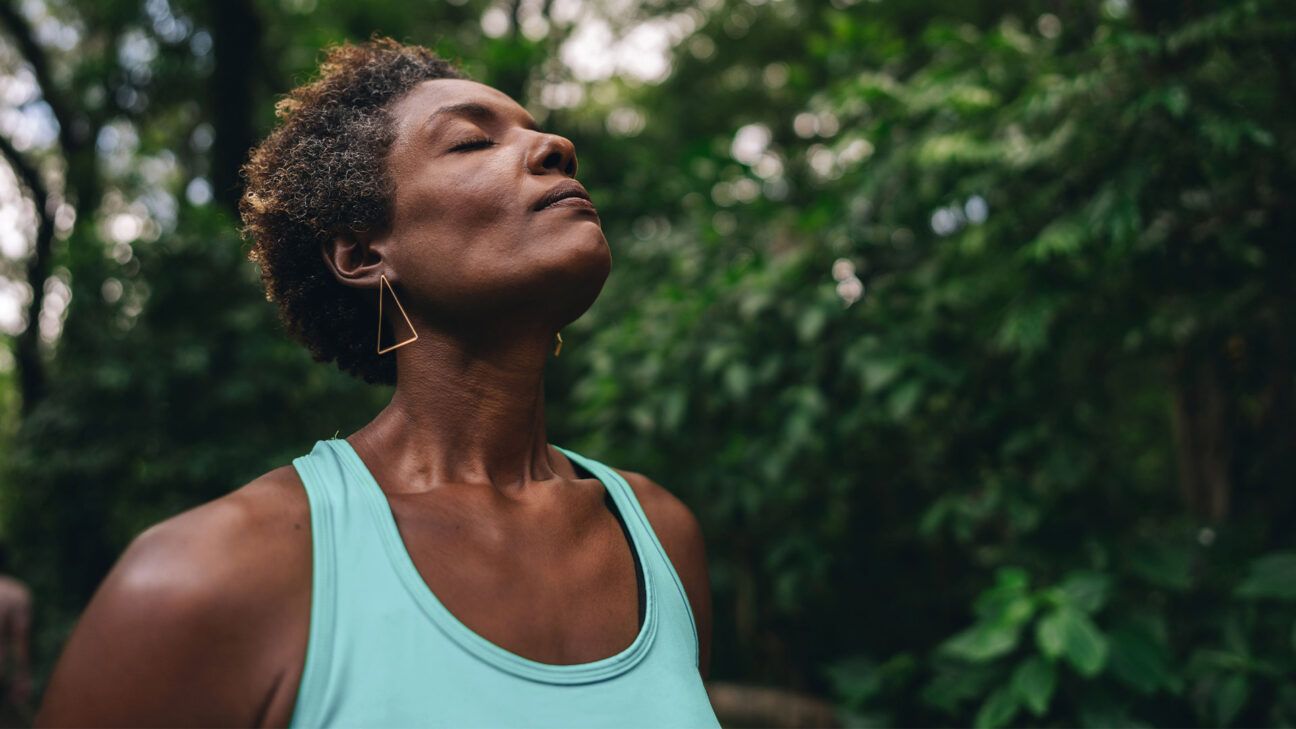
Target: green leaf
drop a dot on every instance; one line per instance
(1205, 660)
(1008, 602)
(1162, 565)
(1033, 683)
(737, 380)
(1271, 576)
(673, 408)
(1060, 238)
(997, 710)
(955, 683)
(1087, 591)
(1230, 698)
(1235, 638)
(1069, 633)
(855, 680)
(1176, 100)
(1025, 328)
(877, 374)
(904, 398)
(982, 642)
(1140, 659)
(811, 323)
(1048, 635)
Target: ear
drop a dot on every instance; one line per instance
(355, 257)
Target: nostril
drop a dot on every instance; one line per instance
(561, 160)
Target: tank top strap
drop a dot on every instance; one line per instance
(324, 479)
(637, 520)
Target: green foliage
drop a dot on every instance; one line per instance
(1046, 230)
(1271, 576)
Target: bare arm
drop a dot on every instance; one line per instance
(177, 633)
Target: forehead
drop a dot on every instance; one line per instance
(421, 103)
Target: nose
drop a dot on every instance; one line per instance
(553, 151)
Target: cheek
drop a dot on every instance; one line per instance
(456, 206)
(461, 235)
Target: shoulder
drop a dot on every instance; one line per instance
(681, 536)
(186, 612)
(227, 549)
(671, 518)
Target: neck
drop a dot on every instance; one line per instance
(463, 413)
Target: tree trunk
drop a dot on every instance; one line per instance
(236, 41)
(1203, 437)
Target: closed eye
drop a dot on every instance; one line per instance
(473, 144)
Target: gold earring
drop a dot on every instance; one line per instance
(383, 280)
(559, 347)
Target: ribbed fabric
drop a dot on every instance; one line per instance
(384, 652)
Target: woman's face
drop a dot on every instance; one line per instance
(466, 249)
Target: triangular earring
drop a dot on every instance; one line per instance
(381, 281)
(558, 348)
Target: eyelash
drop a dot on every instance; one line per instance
(474, 143)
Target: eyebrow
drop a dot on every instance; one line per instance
(474, 110)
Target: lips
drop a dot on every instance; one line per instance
(570, 202)
(567, 193)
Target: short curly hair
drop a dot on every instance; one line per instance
(322, 170)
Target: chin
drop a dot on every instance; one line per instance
(589, 245)
(584, 282)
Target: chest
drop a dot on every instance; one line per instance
(557, 584)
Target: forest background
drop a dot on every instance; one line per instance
(965, 328)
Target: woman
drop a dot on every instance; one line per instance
(444, 565)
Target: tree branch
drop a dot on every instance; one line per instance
(31, 370)
(73, 132)
(26, 172)
(77, 129)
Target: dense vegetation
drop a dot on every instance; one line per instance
(964, 328)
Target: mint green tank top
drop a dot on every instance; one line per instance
(384, 652)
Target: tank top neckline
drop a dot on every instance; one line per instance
(478, 645)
